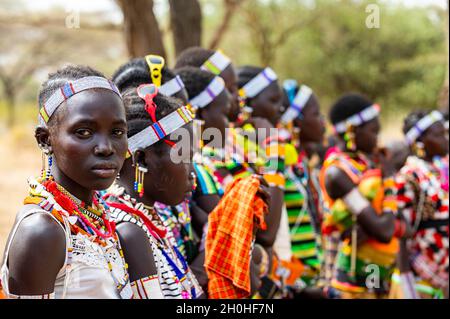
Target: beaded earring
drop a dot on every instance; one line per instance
(47, 162)
(419, 149)
(349, 138)
(139, 179)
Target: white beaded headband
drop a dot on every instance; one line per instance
(172, 87)
(296, 107)
(216, 63)
(208, 95)
(159, 130)
(422, 125)
(71, 88)
(258, 83)
(366, 115)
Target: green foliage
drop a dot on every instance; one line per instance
(401, 64)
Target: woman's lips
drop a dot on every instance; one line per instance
(105, 170)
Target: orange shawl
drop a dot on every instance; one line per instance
(229, 238)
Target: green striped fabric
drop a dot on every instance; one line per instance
(303, 236)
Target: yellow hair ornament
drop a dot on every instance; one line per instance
(156, 64)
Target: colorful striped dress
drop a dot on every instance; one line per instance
(352, 267)
(303, 221)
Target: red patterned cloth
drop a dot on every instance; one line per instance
(229, 239)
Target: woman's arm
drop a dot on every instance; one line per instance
(381, 227)
(137, 251)
(36, 255)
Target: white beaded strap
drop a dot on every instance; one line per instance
(208, 95)
(159, 130)
(71, 88)
(216, 63)
(296, 107)
(44, 296)
(172, 87)
(422, 125)
(258, 83)
(366, 115)
(147, 288)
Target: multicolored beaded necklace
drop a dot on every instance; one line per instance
(140, 211)
(52, 197)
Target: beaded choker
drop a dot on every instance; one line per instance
(297, 105)
(422, 125)
(258, 83)
(68, 90)
(209, 94)
(216, 63)
(366, 115)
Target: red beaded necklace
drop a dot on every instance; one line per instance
(71, 207)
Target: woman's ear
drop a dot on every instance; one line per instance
(139, 158)
(42, 136)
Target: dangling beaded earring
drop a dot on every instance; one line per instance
(349, 138)
(419, 149)
(139, 180)
(47, 162)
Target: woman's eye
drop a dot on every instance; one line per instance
(83, 132)
(119, 132)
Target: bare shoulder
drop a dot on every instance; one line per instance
(37, 253)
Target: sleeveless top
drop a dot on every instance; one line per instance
(85, 273)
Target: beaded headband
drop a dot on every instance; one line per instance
(159, 129)
(216, 63)
(71, 88)
(366, 115)
(422, 125)
(208, 95)
(297, 105)
(258, 83)
(172, 87)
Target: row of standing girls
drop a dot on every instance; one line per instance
(210, 181)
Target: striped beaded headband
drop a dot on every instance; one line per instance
(366, 115)
(297, 105)
(258, 83)
(422, 125)
(213, 90)
(71, 88)
(216, 63)
(172, 87)
(159, 129)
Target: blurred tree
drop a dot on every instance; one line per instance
(25, 58)
(141, 28)
(230, 9)
(443, 96)
(186, 24)
(271, 23)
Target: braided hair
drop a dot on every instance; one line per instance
(138, 118)
(195, 80)
(59, 78)
(193, 56)
(136, 72)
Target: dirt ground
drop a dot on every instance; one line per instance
(19, 159)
